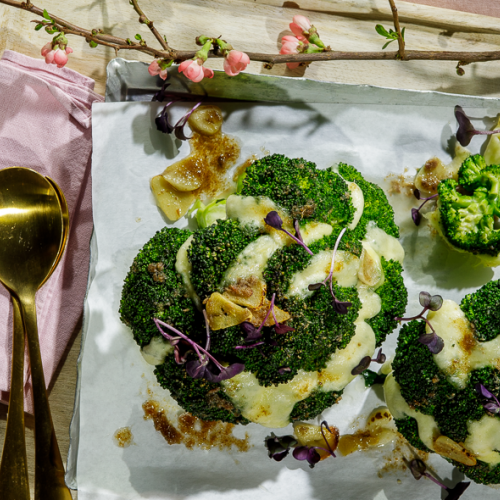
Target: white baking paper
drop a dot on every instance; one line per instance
(116, 381)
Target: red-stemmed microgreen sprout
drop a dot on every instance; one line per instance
(274, 220)
(253, 334)
(162, 122)
(432, 340)
(339, 306)
(415, 212)
(466, 130)
(365, 362)
(491, 404)
(419, 469)
(198, 368)
(279, 447)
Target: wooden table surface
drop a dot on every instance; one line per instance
(257, 25)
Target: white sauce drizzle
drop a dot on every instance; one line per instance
(155, 352)
(358, 202)
(184, 268)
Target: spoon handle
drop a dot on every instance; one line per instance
(14, 482)
(49, 468)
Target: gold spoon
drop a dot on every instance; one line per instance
(31, 234)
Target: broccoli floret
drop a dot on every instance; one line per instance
(298, 186)
(428, 390)
(408, 427)
(468, 220)
(482, 309)
(153, 289)
(212, 252)
(394, 297)
(315, 404)
(203, 399)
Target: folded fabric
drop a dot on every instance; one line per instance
(45, 117)
(485, 8)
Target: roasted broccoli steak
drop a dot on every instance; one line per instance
(447, 402)
(254, 335)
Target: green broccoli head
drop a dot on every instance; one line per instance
(306, 192)
(427, 389)
(153, 288)
(468, 220)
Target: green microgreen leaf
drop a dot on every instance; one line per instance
(46, 15)
(38, 27)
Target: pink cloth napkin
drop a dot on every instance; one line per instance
(484, 7)
(45, 116)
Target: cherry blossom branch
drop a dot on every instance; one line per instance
(401, 41)
(100, 38)
(145, 20)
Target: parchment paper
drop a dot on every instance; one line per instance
(116, 381)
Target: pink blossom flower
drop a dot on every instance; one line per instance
(194, 70)
(300, 24)
(156, 69)
(57, 56)
(235, 62)
(289, 45)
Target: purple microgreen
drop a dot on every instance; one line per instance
(278, 447)
(249, 346)
(280, 329)
(198, 368)
(419, 469)
(285, 369)
(163, 124)
(433, 342)
(415, 212)
(491, 406)
(339, 306)
(324, 425)
(251, 332)
(365, 362)
(162, 94)
(297, 230)
(274, 220)
(466, 130)
(307, 453)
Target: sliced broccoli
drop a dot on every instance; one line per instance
(212, 252)
(394, 297)
(427, 389)
(315, 404)
(298, 186)
(153, 288)
(468, 220)
(482, 309)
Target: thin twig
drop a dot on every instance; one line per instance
(182, 55)
(145, 20)
(401, 41)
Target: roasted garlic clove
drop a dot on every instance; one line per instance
(222, 313)
(247, 292)
(206, 120)
(182, 177)
(173, 203)
(310, 435)
(448, 448)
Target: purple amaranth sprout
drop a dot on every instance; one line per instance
(198, 368)
(365, 362)
(278, 447)
(433, 342)
(415, 212)
(254, 334)
(310, 453)
(162, 122)
(492, 404)
(339, 306)
(274, 220)
(419, 469)
(466, 130)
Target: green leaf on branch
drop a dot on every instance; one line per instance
(390, 35)
(386, 44)
(51, 30)
(46, 15)
(38, 27)
(381, 30)
(93, 44)
(138, 37)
